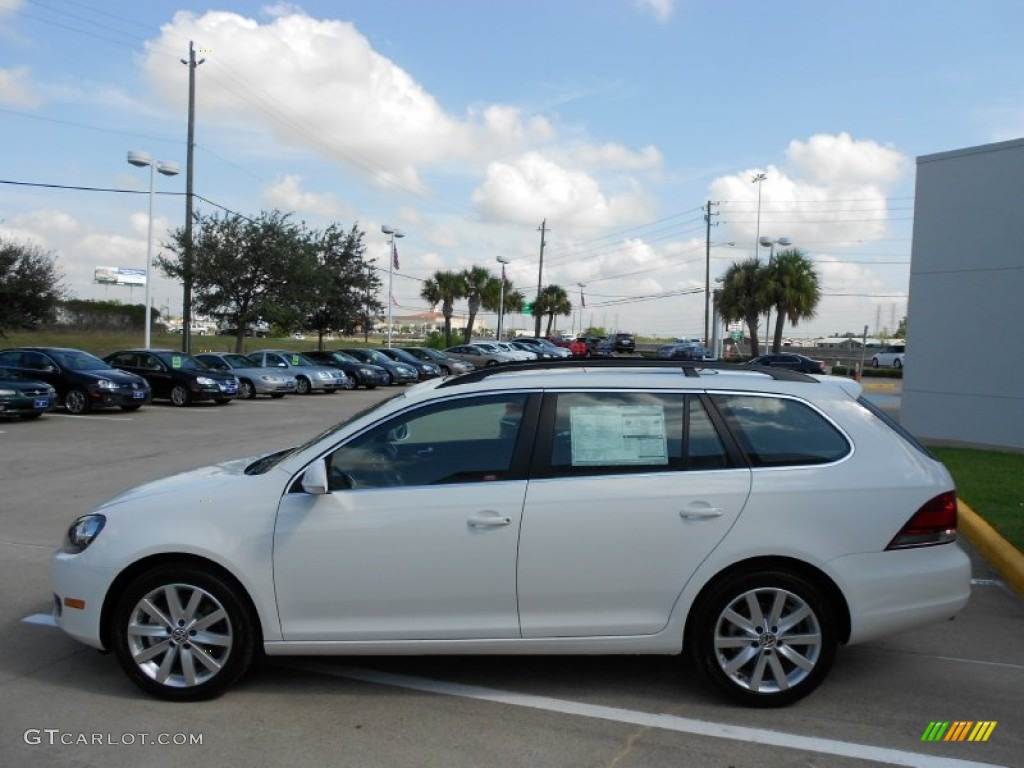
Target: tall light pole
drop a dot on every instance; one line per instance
(391, 272)
(758, 179)
(770, 243)
(141, 160)
(582, 304)
(503, 260)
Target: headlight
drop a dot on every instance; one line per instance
(324, 375)
(106, 384)
(51, 391)
(82, 532)
(7, 393)
(205, 381)
(366, 371)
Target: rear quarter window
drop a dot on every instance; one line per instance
(780, 432)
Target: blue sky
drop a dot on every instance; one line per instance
(466, 123)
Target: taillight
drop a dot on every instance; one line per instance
(934, 523)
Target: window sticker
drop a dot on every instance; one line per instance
(618, 434)
(176, 362)
(295, 359)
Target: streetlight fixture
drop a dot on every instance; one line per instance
(759, 180)
(391, 274)
(141, 160)
(503, 260)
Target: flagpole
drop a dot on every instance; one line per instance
(391, 275)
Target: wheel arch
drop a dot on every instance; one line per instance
(833, 595)
(139, 567)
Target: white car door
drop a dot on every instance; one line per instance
(417, 538)
(632, 505)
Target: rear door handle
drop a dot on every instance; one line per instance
(491, 520)
(700, 512)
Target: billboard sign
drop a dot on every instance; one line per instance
(120, 276)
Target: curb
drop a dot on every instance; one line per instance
(993, 547)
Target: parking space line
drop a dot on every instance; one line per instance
(647, 719)
(40, 620)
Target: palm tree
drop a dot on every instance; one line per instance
(553, 300)
(742, 297)
(794, 290)
(444, 288)
(478, 283)
(492, 297)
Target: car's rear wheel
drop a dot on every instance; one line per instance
(246, 390)
(180, 395)
(766, 639)
(76, 401)
(302, 386)
(183, 633)
(897, 363)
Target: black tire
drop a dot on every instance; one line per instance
(31, 416)
(874, 362)
(792, 659)
(219, 627)
(246, 390)
(180, 396)
(897, 364)
(350, 382)
(76, 401)
(130, 407)
(302, 386)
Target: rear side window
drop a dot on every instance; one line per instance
(780, 432)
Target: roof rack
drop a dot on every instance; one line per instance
(689, 368)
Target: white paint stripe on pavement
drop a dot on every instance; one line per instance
(651, 720)
(40, 620)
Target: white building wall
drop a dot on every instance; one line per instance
(964, 374)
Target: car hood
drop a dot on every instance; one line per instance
(114, 374)
(198, 483)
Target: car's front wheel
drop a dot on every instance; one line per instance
(246, 390)
(180, 395)
(766, 639)
(183, 633)
(897, 364)
(76, 401)
(302, 386)
(349, 383)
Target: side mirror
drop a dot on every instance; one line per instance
(314, 479)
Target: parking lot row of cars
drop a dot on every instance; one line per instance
(34, 380)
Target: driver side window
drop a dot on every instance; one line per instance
(470, 440)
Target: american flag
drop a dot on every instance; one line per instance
(394, 254)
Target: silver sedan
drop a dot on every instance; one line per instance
(252, 379)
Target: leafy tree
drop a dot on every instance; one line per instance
(444, 288)
(245, 270)
(31, 286)
(793, 288)
(742, 297)
(901, 329)
(553, 301)
(337, 293)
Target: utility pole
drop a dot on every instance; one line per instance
(186, 262)
(707, 272)
(540, 277)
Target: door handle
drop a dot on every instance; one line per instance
(488, 521)
(700, 513)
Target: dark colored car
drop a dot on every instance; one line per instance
(398, 373)
(356, 371)
(624, 342)
(800, 363)
(176, 376)
(682, 351)
(83, 382)
(425, 368)
(24, 396)
(448, 365)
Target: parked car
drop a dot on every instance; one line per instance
(516, 355)
(176, 376)
(590, 344)
(24, 396)
(479, 357)
(258, 329)
(892, 356)
(545, 345)
(398, 373)
(624, 342)
(686, 350)
(791, 361)
(576, 347)
(424, 368)
(83, 382)
(586, 508)
(309, 377)
(448, 365)
(252, 380)
(357, 373)
(538, 353)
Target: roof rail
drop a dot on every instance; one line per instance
(690, 368)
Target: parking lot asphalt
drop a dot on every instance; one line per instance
(63, 704)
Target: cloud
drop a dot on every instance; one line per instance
(16, 90)
(661, 9)
(287, 194)
(839, 160)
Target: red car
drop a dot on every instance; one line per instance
(578, 347)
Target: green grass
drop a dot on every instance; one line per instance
(992, 484)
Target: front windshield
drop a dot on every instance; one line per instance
(344, 357)
(237, 361)
(376, 356)
(182, 362)
(80, 361)
(271, 460)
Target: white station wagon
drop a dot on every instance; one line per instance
(753, 519)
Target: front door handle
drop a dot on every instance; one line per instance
(491, 520)
(700, 512)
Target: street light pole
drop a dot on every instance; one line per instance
(769, 243)
(391, 274)
(141, 160)
(503, 260)
(758, 179)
